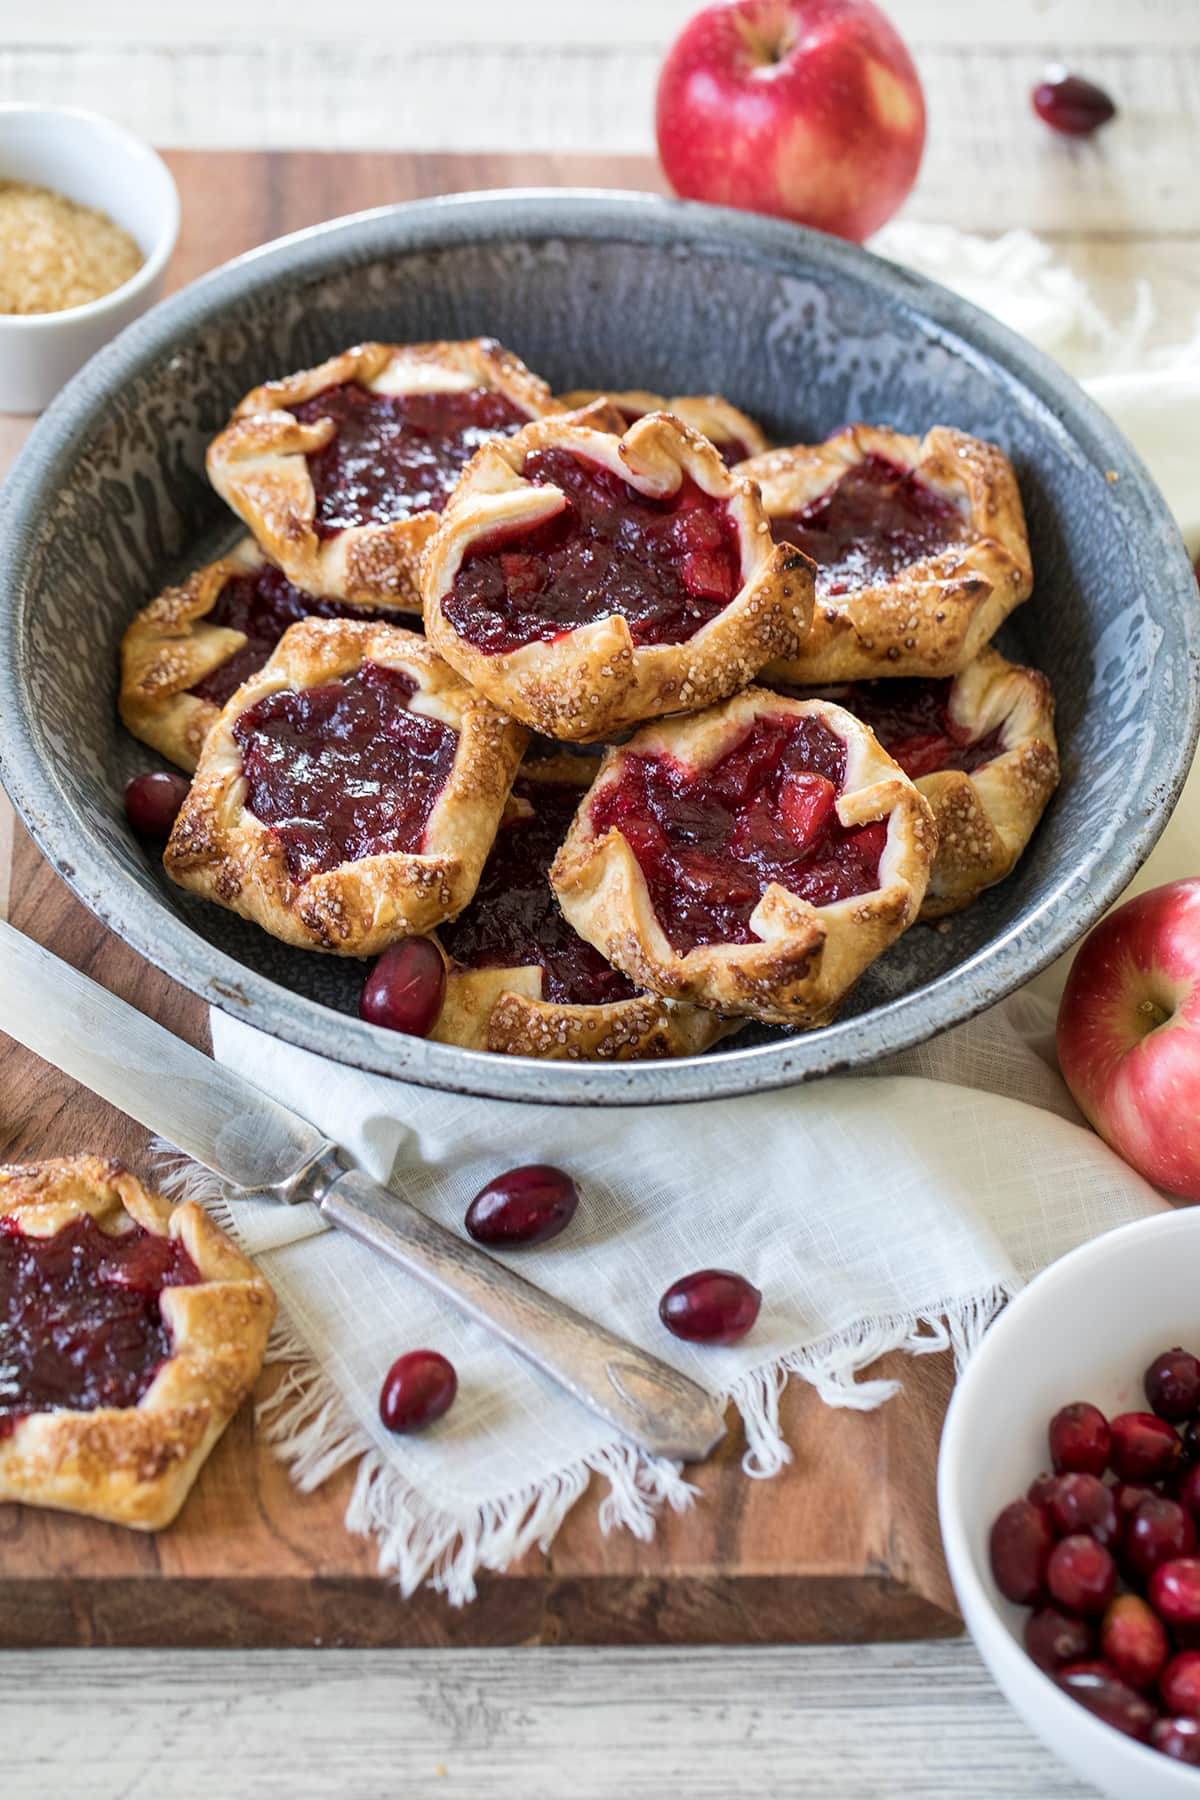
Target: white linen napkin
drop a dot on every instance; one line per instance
(893, 1209)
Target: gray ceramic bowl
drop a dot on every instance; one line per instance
(108, 501)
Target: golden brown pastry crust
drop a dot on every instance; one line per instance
(219, 849)
(170, 646)
(589, 683)
(716, 418)
(808, 956)
(501, 1009)
(986, 819)
(258, 464)
(135, 1465)
(936, 614)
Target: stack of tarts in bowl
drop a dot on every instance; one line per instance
(649, 728)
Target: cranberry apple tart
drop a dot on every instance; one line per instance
(341, 471)
(753, 858)
(130, 1333)
(585, 582)
(734, 432)
(520, 980)
(981, 748)
(920, 547)
(586, 565)
(348, 793)
(189, 651)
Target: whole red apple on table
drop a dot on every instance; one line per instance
(1129, 1034)
(807, 109)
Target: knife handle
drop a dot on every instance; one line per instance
(644, 1398)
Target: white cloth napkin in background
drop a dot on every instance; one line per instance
(892, 1209)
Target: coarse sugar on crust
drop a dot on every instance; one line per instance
(135, 1465)
(593, 680)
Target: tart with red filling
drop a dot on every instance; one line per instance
(130, 1333)
(189, 651)
(349, 792)
(520, 980)
(586, 582)
(981, 748)
(341, 471)
(753, 858)
(734, 432)
(920, 547)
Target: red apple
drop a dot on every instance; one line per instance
(1129, 1034)
(809, 109)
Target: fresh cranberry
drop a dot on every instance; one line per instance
(1134, 1640)
(1172, 1384)
(1157, 1532)
(1081, 1574)
(1178, 1738)
(1144, 1447)
(528, 1205)
(1053, 1638)
(1083, 1503)
(1020, 1544)
(1179, 1684)
(418, 1389)
(1186, 1489)
(1042, 1487)
(1175, 1591)
(713, 1306)
(1072, 105)
(1129, 1495)
(405, 989)
(1097, 1686)
(152, 803)
(1079, 1440)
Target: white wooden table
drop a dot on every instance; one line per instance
(862, 1724)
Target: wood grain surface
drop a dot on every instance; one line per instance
(843, 1545)
(871, 1722)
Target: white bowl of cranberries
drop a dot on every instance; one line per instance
(1069, 1496)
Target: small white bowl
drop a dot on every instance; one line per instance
(98, 163)
(1085, 1329)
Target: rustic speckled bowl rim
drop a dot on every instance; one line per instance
(996, 969)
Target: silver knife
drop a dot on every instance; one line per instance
(264, 1152)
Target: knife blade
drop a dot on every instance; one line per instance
(263, 1150)
(213, 1116)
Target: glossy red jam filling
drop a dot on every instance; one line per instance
(730, 450)
(262, 604)
(868, 526)
(911, 719)
(395, 455)
(514, 920)
(668, 566)
(80, 1325)
(345, 770)
(710, 841)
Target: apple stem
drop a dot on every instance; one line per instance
(769, 39)
(1154, 1014)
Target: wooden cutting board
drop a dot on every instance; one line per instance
(843, 1545)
